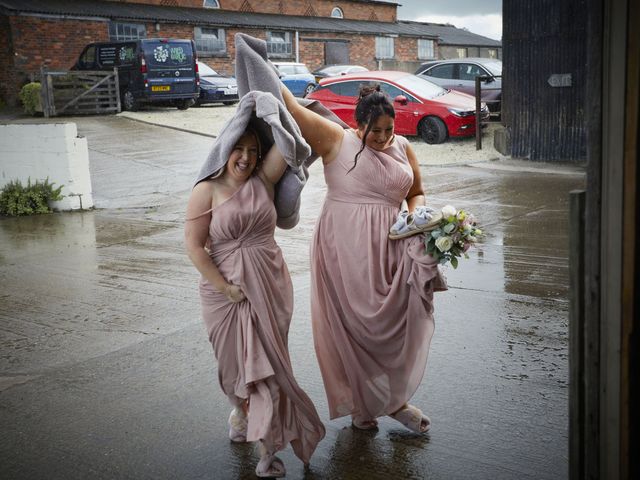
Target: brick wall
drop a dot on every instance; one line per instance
(7, 78)
(314, 8)
(38, 42)
(166, 3)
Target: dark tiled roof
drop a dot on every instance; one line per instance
(450, 35)
(226, 18)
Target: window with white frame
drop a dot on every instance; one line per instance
(337, 13)
(279, 44)
(462, 52)
(210, 40)
(211, 4)
(426, 49)
(384, 47)
(493, 53)
(126, 31)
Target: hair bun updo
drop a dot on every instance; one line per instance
(368, 89)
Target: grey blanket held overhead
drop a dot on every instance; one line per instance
(255, 73)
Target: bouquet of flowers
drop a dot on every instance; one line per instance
(454, 235)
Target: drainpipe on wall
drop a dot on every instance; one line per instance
(297, 47)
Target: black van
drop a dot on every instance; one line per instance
(150, 70)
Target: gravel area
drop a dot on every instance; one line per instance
(208, 120)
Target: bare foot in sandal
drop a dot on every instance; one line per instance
(270, 466)
(412, 418)
(362, 424)
(237, 426)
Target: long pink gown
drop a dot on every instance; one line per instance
(250, 338)
(371, 297)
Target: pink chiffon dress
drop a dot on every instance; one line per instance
(250, 338)
(371, 297)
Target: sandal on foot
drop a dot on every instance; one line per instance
(413, 418)
(423, 219)
(362, 424)
(270, 466)
(237, 427)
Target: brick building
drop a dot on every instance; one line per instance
(52, 34)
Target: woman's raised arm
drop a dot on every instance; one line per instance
(324, 136)
(273, 166)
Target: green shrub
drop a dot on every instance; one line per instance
(30, 98)
(16, 199)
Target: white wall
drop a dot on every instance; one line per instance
(53, 150)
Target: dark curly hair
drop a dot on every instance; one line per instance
(372, 104)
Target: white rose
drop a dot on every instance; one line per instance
(444, 243)
(449, 211)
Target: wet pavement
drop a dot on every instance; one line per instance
(107, 373)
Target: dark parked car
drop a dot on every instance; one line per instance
(151, 70)
(422, 108)
(216, 88)
(296, 77)
(336, 70)
(460, 74)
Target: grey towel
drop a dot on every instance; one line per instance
(254, 72)
(273, 123)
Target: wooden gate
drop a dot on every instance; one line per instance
(77, 92)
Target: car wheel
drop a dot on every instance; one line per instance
(184, 104)
(129, 102)
(432, 130)
(308, 89)
(229, 103)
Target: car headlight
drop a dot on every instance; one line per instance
(459, 112)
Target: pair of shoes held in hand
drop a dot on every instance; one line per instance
(423, 219)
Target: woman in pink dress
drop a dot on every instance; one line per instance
(371, 297)
(247, 303)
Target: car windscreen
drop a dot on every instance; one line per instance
(168, 54)
(332, 70)
(420, 86)
(494, 67)
(205, 70)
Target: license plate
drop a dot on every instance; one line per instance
(160, 88)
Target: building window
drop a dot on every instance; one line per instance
(211, 4)
(337, 13)
(210, 40)
(493, 53)
(384, 47)
(126, 31)
(426, 49)
(462, 52)
(279, 44)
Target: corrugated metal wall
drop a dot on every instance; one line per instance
(542, 38)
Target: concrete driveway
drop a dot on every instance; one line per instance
(107, 371)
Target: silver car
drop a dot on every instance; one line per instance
(460, 74)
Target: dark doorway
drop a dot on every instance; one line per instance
(336, 53)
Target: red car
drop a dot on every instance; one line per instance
(422, 107)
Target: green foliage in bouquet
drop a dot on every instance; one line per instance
(455, 234)
(30, 98)
(16, 199)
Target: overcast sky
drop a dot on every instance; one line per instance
(483, 17)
